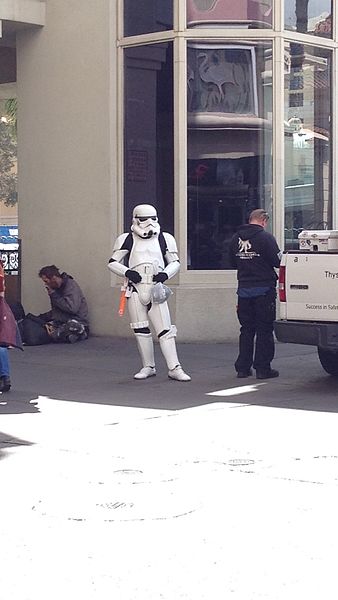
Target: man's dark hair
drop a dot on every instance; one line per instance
(49, 271)
(259, 214)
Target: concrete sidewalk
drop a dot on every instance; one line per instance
(101, 370)
(145, 490)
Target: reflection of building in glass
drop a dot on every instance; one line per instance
(229, 145)
(307, 142)
(221, 80)
(149, 165)
(251, 13)
(147, 16)
(309, 16)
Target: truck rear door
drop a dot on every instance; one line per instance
(311, 282)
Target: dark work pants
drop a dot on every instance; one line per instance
(256, 341)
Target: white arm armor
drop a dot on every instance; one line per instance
(171, 256)
(115, 264)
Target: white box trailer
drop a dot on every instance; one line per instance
(308, 293)
(310, 286)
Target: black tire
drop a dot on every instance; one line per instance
(329, 360)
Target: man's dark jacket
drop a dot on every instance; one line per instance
(254, 253)
(68, 302)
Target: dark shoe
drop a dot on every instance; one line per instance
(75, 326)
(5, 383)
(243, 374)
(267, 374)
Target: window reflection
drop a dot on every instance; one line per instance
(229, 144)
(222, 13)
(147, 16)
(224, 83)
(148, 129)
(307, 130)
(309, 16)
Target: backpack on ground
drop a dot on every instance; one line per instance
(33, 331)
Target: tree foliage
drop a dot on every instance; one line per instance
(8, 155)
(11, 111)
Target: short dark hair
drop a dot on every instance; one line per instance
(49, 271)
(259, 214)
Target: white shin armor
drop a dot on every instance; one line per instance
(168, 348)
(146, 349)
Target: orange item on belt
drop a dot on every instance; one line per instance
(122, 304)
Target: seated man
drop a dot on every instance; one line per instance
(67, 321)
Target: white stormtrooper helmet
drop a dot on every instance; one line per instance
(145, 222)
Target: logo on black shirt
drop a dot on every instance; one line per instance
(244, 249)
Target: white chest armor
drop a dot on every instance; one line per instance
(146, 258)
(145, 252)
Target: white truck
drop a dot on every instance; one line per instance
(308, 294)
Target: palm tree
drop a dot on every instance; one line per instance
(8, 154)
(11, 111)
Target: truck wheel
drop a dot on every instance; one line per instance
(329, 360)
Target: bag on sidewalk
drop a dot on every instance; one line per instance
(33, 331)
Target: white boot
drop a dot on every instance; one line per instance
(145, 372)
(146, 350)
(168, 347)
(179, 374)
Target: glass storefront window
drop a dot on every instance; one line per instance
(307, 131)
(251, 14)
(148, 131)
(147, 16)
(229, 90)
(309, 16)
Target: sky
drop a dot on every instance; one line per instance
(316, 8)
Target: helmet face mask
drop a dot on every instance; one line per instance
(145, 222)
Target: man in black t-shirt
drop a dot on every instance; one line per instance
(255, 254)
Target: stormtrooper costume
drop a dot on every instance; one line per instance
(145, 257)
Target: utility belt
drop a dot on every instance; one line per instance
(145, 287)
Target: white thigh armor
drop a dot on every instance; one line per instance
(158, 315)
(138, 312)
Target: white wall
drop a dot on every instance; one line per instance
(66, 167)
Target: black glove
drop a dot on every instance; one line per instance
(133, 276)
(160, 277)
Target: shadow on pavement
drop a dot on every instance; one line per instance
(18, 403)
(8, 441)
